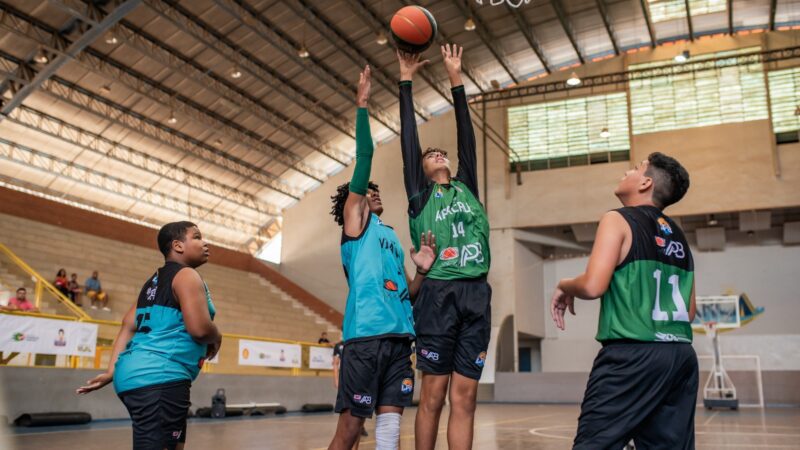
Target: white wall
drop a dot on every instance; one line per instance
(770, 275)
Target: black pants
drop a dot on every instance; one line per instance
(158, 414)
(641, 391)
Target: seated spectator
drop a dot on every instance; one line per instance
(74, 290)
(95, 292)
(323, 339)
(62, 283)
(21, 303)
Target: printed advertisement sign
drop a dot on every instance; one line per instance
(269, 354)
(320, 358)
(27, 334)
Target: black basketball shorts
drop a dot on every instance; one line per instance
(159, 415)
(453, 322)
(375, 372)
(643, 391)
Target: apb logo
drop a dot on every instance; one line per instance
(407, 387)
(675, 249)
(362, 399)
(481, 360)
(449, 253)
(665, 228)
(433, 356)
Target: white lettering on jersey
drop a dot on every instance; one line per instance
(452, 209)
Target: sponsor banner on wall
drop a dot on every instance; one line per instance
(320, 358)
(269, 354)
(27, 334)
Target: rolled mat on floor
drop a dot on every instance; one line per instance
(234, 412)
(317, 407)
(54, 418)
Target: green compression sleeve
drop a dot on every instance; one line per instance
(364, 149)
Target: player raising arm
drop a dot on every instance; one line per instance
(643, 384)
(375, 364)
(452, 313)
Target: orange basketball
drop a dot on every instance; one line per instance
(413, 29)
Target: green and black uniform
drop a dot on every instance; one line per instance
(643, 384)
(452, 312)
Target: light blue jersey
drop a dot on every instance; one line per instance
(378, 304)
(161, 351)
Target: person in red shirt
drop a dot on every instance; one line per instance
(21, 303)
(61, 282)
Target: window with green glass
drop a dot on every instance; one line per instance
(663, 10)
(784, 96)
(724, 94)
(574, 131)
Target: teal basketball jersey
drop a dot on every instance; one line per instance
(161, 351)
(378, 303)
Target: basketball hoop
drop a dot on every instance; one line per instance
(511, 3)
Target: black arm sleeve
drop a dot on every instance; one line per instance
(467, 155)
(413, 175)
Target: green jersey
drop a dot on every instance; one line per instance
(649, 294)
(461, 228)
(453, 211)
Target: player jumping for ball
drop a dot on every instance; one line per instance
(378, 327)
(643, 384)
(452, 312)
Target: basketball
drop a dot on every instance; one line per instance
(413, 29)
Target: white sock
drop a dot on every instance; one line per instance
(387, 431)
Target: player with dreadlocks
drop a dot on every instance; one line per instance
(378, 328)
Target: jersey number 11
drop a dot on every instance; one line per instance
(680, 314)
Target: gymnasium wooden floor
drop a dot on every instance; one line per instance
(498, 426)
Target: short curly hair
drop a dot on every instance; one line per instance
(670, 179)
(338, 200)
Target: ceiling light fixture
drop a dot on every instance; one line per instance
(172, 119)
(218, 142)
(111, 39)
(712, 221)
(469, 25)
(106, 88)
(573, 80)
(683, 56)
(381, 38)
(236, 73)
(41, 56)
(303, 52)
(604, 133)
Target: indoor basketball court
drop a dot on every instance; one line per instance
(385, 224)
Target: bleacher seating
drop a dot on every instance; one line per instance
(246, 303)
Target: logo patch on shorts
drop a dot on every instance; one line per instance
(481, 360)
(362, 399)
(433, 356)
(661, 242)
(390, 285)
(177, 434)
(407, 387)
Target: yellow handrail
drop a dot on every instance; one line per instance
(116, 323)
(42, 283)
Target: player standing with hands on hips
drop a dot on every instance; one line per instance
(643, 384)
(452, 313)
